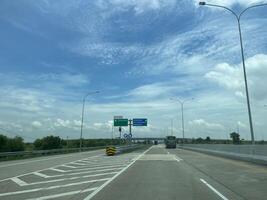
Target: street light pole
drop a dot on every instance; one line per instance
(238, 18)
(182, 110)
(81, 135)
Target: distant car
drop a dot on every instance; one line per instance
(156, 142)
(170, 142)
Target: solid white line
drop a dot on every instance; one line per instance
(19, 181)
(31, 161)
(64, 194)
(57, 170)
(213, 189)
(41, 175)
(51, 187)
(90, 196)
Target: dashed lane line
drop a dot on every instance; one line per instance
(213, 189)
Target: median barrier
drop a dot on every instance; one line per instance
(251, 153)
(110, 150)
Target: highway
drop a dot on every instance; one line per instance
(154, 173)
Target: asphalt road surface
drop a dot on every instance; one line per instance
(155, 173)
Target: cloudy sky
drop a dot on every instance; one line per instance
(139, 54)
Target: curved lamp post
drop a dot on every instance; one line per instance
(238, 18)
(90, 93)
(182, 109)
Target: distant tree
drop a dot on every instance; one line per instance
(261, 142)
(49, 142)
(3, 142)
(38, 144)
(15, 144)
(235, 137)
(208, 139)
(199, 140)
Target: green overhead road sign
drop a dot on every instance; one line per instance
(120, 122)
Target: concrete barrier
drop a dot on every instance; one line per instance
(251, 153)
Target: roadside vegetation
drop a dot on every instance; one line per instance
(17, 143)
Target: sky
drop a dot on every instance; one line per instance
(140, 55)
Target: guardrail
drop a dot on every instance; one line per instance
(113, 150)
(21, 154)
(129, 148)
(252, 153)
(27, 154)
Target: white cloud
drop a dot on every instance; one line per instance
(62, 123)
(36, 124)
(231, 76)
(65, 78)
(141, 6)
(205, 124)
(157, 90)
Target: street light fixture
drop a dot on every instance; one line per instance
(90, 93)
(238, 18)
(182, 109)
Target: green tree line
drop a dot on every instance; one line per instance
(11, 144)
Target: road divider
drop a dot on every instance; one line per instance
(113, 150)
(250, 153)
(110, 150)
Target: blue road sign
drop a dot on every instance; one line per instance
(139, 122)
(128, 136)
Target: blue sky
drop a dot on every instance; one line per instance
(139, 54)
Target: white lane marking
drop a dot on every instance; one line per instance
(69, 166)
(86, 172)
(64, 194)
(213, 189)
(19, 181)
(168, 152)
(72, 178)
(80, 164)
(90, 168)
(102, 164)
(57, 170)
(90, 196)
(41, 174)
(6, 179)
(178, 159)
(51, 187)
(31, 161)
(158, 157)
